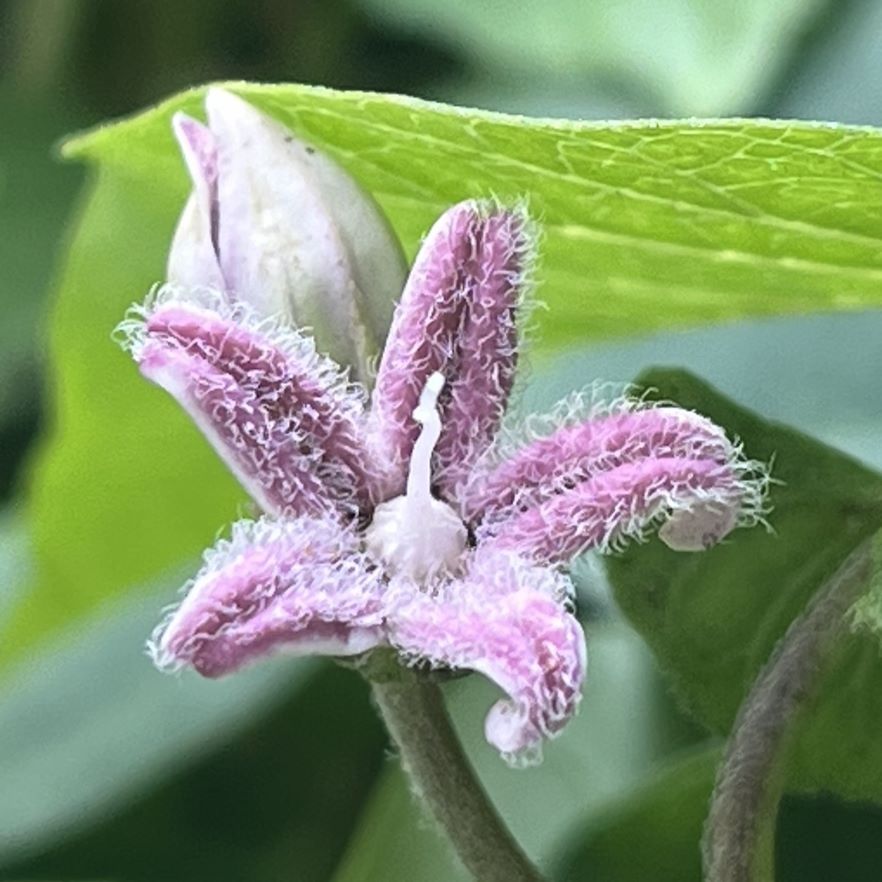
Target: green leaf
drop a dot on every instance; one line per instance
(713, 619)
(548, 95)
(822, 838)
(698, 58)
(652, 834)
(823, 396)
(394, 842)
(712, 220)
(624, 726)
(87, 722)
(273, 796)
(655, 833)
(647, 227)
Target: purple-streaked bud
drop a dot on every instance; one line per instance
(299, 585)
(193, 257)
(279, 225)
(282, 417)
(509, 621)
(457, 317)
(700, 499)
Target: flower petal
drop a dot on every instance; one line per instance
(510, 621)
(699, 501)
(457, 316)
(525, 475)
(301, 585)
(487, 346)
(282, 418)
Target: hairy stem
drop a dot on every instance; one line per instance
(739, 842)
(433, 758)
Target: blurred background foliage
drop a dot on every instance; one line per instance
(109, 771)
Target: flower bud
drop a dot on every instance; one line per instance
(275, 223)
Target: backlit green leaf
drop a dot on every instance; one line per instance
(647, 225)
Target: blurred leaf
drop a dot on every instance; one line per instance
(35, 196)
(716, 220)
(113, 771)
(819, 839)
(275, 798)
(395, 842)
(654, 833)
(15, 559)
(624, 726)
(835, 398)
(546, 95)
(829, 81)
(704, 57)
(87, 722)
(713, 619)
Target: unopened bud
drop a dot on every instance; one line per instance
(279, 225)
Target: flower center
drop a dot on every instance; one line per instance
(416, 535)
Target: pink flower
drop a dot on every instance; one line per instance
(409, 523)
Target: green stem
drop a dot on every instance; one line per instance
(413, 709)
(739, 837)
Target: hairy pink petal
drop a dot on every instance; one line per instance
(508, 620)
(280, 416)
(301, 585)
(457, 316)
(550, 465)
(423, 335)
(487, 348)
(702, 500)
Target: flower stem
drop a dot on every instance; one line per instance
(413, 709)
(739, 836)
